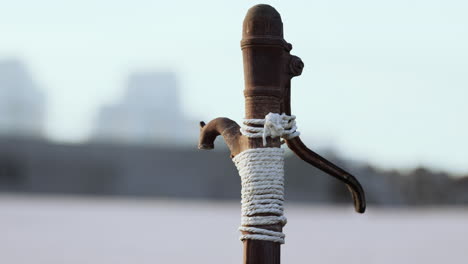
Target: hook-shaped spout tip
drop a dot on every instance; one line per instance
(226, 127)
(357, 193)
(298, 147)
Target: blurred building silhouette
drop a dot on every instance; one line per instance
(22, 104)
(149, 112)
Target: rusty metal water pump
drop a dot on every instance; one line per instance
(268, 70)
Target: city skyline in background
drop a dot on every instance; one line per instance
(386, 86)
(149, 111)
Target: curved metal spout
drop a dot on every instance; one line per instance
(314, 159)
(301, 150)
(225, 127)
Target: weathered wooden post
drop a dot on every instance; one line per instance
(255, 146)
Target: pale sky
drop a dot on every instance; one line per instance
(384, 81)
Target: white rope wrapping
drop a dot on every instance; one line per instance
(274, 125)
(262, 176)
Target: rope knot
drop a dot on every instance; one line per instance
(274, 125)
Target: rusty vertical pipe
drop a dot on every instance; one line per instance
(266, 61)
(264, 52)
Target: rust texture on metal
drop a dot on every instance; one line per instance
(268, 70)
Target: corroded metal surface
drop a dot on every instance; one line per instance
(268, 70)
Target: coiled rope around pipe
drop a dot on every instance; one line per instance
(262, 177)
